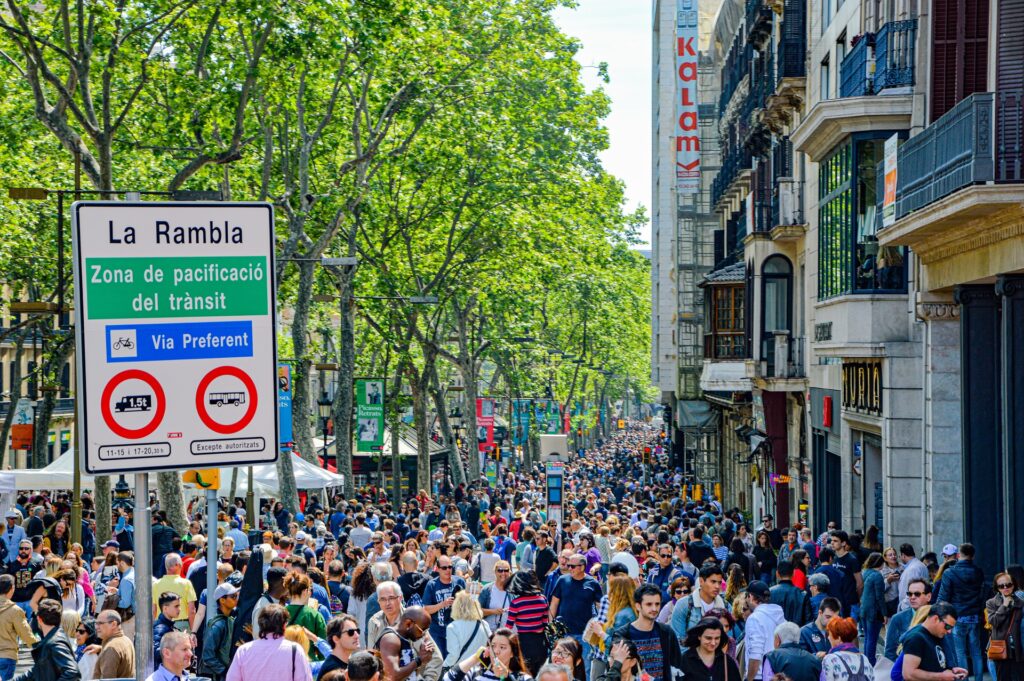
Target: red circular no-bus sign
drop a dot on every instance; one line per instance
(158, 397)
(201, 406)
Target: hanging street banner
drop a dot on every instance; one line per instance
(484, 423)
(23, 426)
(175, 325)
(369, 414)
(549, 417)
(520, 422)
(284, 401)
(890, 168)
(687, 135)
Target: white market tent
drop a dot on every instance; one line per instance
(60, 475)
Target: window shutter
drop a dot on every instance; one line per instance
(959, 52)
(1010, 89)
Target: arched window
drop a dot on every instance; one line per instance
(777, 286)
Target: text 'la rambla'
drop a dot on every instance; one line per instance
(166, 233)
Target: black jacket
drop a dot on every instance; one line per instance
(795, 603)
(796, 663)
(673, 654)
(161, 626)
(53, 659)
(963, 586)
(162, 536)
(217, 647)
(694, 670)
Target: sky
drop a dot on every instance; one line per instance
(619, 32)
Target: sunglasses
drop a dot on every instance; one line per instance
(351, 632)
(1006, 585)
(444, 567)
(665, 555)
(502, 570)
(948, 627)
(81, 631)
(915, 594)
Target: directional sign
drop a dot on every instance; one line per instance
(175, 325)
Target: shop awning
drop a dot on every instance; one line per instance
(727, 376)
(697, 415)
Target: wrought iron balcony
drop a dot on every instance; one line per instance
(893, 66)
(759, 22)
(953, 152)
(894, 55)
(854, 79)
(734, 161)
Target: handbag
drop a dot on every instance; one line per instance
(997, 648)
(465, 647)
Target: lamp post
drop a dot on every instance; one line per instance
(324, 405)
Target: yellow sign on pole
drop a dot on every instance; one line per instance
(622, 424)
(203, 478)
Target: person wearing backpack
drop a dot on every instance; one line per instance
(338, 594)
(844, 662)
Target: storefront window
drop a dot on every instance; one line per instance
(850, 259)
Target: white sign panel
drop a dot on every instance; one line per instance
(176, 337)
(554, 447)
(890, 177)
(687, 135)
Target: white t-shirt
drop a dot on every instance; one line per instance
(498, 599)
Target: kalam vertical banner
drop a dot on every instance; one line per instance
(687, 135)
(369, 414)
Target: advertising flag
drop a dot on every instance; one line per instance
(284, 402)
(520, 422)
(484, 423)
(369, 414)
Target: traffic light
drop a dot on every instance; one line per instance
(497, 453)
(579, 431)
(647, 455)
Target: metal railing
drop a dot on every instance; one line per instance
(894, 55)
(854, 79)
(759, 21)
(733, 162)
(788, 363)
(955, 151)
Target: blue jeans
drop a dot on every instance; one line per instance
(871, 631)
(967, 643)
(588, 652)
(7, 668)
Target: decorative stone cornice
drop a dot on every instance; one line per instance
(938, 312)
(1010, 286)
(973, 235)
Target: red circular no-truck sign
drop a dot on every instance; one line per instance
(158, 396)
(201, 406)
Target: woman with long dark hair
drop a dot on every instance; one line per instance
(765, 556)
(706, 657)
(569, 652)
(527, 616)
(500, 660)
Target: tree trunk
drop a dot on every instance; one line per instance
(44, 412)
(172, 499)
(468, 370)
(396, 430)
(19, 351)
(419, 406)
(286, 476)
(102, 500)
(346, 385)
(301, 403)
(458, 473)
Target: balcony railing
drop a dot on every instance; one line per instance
(951, 153)
(782, 356)
(736, 160)
(759, 22)
(854, 79)
(879, 62)
(894, 55)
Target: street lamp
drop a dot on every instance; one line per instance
(324, 405)
(123, 496)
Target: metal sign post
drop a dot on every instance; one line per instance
(143, 579)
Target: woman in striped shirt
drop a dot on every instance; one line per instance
(527, 616)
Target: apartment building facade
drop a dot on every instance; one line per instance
(863, 312)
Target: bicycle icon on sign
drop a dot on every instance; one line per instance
(123, 342)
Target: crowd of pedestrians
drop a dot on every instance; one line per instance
(477, 583)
